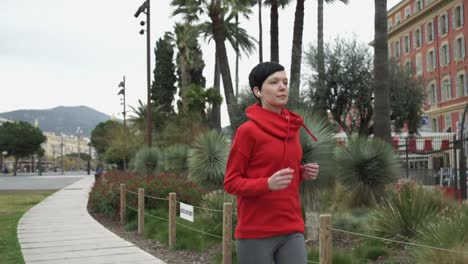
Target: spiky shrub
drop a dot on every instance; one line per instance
(148, 161)
(215, 200)
(321, 152)
(448, 231)
(365, 167)
(175, 158)
(405, 211)
(207, 159)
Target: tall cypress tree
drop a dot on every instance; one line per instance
(164, 89)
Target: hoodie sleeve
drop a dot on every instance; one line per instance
(236, 182)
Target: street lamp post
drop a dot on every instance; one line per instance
(61, 153)
(78, 133)
(145, 8)
(122, 92)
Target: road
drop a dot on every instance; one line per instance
(44, 182)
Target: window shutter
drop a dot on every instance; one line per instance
(465, 85)
(434, 65)
(449, 89)
(446, 23)
(427, 32)
(432, 31)
(454, 18)
(420, 37)
(442, 91)
(447, 52)
(415, 36)
(441, 56)
(455, 50)
(457, 86)
(428, 58)
(462, 48)
(462, 18)
(440, 25)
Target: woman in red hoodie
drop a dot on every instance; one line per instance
(264, 171)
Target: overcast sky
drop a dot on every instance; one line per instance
(75, 52)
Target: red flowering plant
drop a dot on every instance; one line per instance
(105, 195)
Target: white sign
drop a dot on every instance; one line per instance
(186, 212)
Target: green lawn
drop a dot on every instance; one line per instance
(13, 204)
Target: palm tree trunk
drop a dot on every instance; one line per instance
(381, 90)
(237, 58)
(260, 32)
(216, 110)
(219, 37)
(274, 48)
(296, 54)
(320, 49)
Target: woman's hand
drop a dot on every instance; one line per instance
(310, 171)
(280, 179)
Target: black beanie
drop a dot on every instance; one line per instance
(260, 72)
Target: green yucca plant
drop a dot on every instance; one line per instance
(404, 212)
(448, 231)
(215, 200)
(365, 167)
(207, 159)
(175, 158)
(321, 152)
(148, 161)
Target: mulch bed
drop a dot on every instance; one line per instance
(154, 247)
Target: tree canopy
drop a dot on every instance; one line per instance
(20, 139)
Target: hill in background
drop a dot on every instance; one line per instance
(61, 119)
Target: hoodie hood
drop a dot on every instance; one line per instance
(283, 126)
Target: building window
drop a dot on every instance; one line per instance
(448, 122)
(418, 64)
(430, 61)
(444, 54)
(408, 67)
(407, 44)
(432, 93)
(397, 49)
(446, 87)
(418, 5)
(407, 12)
(389, 24)
(457, 16)
(459, 48)
(443, 24)
(461, 85)
(417, 38)
(398, 19)
(435, 125)
(429, 31)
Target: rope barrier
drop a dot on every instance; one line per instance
(136, 210)
(310, 261)
(157, 217)
(208, 209)
(199, 231)
(399, 242)
(157, 198)
(132, 192)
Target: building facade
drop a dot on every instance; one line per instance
(428, 38)
(71, 144)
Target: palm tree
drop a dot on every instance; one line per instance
(260, 32)
(221, 24)
(296, 54)
(138, 120)
(382, 88)
(274, 47)
(320, 31)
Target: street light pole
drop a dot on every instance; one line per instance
(122, 92)
(61, 153)
(145, 8)
(79, 132)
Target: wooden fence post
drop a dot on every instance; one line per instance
(141, 211)
(227, 233)
(123, 202)
(325, 240)
(172, 220)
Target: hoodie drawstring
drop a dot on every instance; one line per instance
(310, 133)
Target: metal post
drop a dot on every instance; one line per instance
(148, 73)
(456, 186)
(462, 156)
(407, 157)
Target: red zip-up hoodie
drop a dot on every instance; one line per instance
(268, 142)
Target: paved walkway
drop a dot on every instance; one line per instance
(59, 230)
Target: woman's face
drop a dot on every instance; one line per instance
(275, 90)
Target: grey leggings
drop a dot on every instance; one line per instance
(287, 249)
